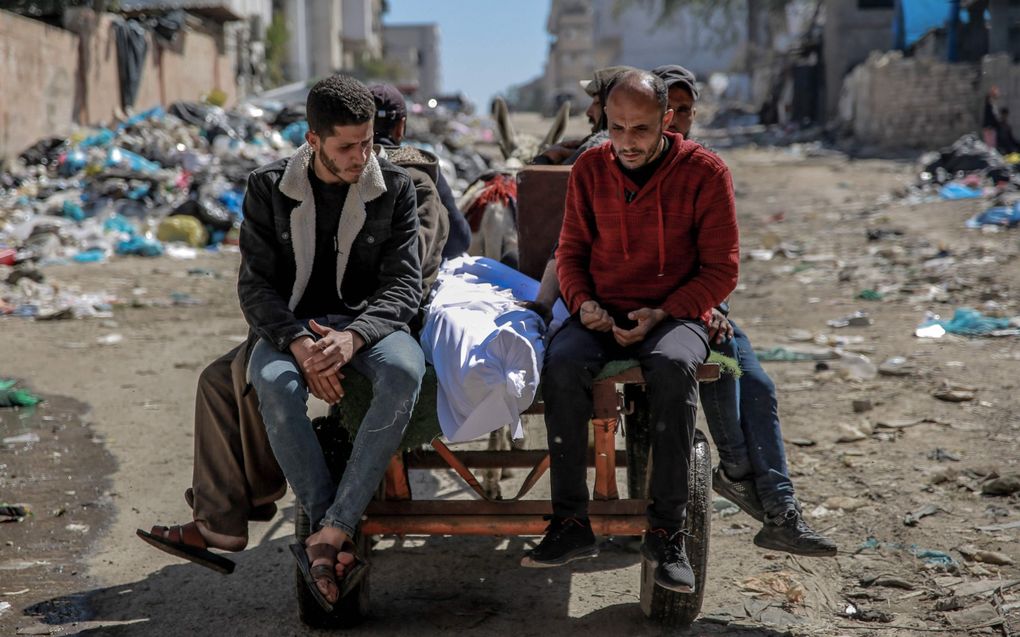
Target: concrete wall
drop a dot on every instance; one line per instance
(896, 102)
(703, 40)
(36, 91)
(40, 91)
(850, 35)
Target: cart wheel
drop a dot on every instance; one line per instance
(669, 608)
(638, 441)
(354, 607)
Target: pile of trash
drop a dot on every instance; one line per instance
(168, 182)
(165, 181)
(970, 169)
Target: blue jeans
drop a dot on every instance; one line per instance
(395, 366)
(743, 418)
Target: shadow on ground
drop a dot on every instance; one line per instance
(420, 586)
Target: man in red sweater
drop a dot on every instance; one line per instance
(648, 247)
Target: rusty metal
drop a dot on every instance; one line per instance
(484, 459)
(533, 477)
(498, 507)
(455, 464)
(492, 525)
(395, 483)
(604, 430)
(604, 399)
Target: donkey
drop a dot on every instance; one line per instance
(490, 203)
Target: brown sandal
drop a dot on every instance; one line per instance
(186, 542)
(315, 574)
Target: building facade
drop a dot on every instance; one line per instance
(413, 50)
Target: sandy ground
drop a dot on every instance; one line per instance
(137, 436)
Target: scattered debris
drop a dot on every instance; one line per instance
(14, 512)
(911, 519)
(23, 439)
(782, 584)
(1006, 485)
(855, 612)
(974, 554)
(11, 397)
(857, 319)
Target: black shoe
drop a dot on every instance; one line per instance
(791, 534)
(740, 492)
(566, 540)
(664, 548)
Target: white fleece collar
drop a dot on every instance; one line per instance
(296, 185)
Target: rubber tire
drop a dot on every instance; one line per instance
(637, 437)
(669, 608)
(354, 608)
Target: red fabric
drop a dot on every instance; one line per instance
(499, 188)
(674, 246)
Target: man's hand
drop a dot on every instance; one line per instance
(334, 350)
(322, 388)
(595, 318)
(719, 328)
(646, 318)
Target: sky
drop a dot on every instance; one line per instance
(485, 45)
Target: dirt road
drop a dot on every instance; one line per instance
(137, 447)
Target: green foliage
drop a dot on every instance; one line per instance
(277, 37)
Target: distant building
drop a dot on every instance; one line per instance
(362, 31)
(571, 51)
(413, 50)
(327, 36)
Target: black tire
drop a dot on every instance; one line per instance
(669, 608)
(638, 441)
(354, 607)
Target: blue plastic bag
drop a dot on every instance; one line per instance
(997, 216)
(295, 132)
(140, 246)
(953, 191)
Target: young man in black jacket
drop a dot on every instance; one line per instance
(330, 277)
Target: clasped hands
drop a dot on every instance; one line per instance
(320, 361)
(596, 318)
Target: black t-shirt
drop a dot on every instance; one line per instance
(320, 297)
(642, 175)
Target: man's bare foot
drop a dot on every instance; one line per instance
(335, 538)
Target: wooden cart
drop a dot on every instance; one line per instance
(619, 401)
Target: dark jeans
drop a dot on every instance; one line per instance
(669, 358)
(743, 418)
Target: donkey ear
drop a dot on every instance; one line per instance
(558, 127)
(507, 137)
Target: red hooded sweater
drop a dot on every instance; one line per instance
(674, 246)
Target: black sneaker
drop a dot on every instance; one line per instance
(664, 548)
(566, 540)
(791, 534)
(740, 492)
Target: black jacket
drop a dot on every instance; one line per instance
(378, 270)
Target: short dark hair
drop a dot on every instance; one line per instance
(644, 84)
(338, 100)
